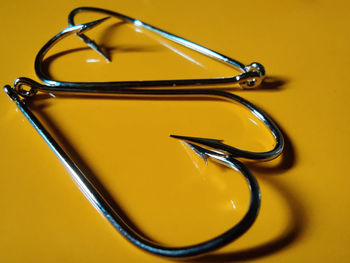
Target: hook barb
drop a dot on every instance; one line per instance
(198, 146)
(194, 141)
(204, 148)
(91, 43)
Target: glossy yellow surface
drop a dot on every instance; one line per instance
(164, 189)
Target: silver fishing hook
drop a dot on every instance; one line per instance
(206, 148)
(251, 76)
(102, 205)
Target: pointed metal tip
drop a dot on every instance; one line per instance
(203, 141)
(201, 152)
(94, 46)
(187, 138)
(99, 50)
(96, 22)
(177, 136)
(90, 25)
(104, 55)
(90, 42)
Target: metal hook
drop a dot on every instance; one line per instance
(251, 76)
(98, 201)
(207, 148)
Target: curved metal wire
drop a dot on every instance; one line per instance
(207, 148)
(251, 75)
(99, 202)
(209, 143)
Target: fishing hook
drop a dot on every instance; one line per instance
(207, 148)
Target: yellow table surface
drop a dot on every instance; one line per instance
(163, 188)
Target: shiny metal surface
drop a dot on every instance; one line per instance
(305, 192)
(206, 148)
(251, 75)
(98, 201)
(34, 86)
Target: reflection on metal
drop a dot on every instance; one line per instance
(92, 60)
(233, 205)
(251, 75)
(205, 147)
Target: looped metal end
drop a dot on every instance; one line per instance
(32, 87)
(258, 74)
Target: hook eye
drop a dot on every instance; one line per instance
(26, 87)
(256, 74)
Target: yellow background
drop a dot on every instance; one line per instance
(163, 188)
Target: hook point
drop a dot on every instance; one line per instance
(201, 152)
(90, 42)
(90, 25)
